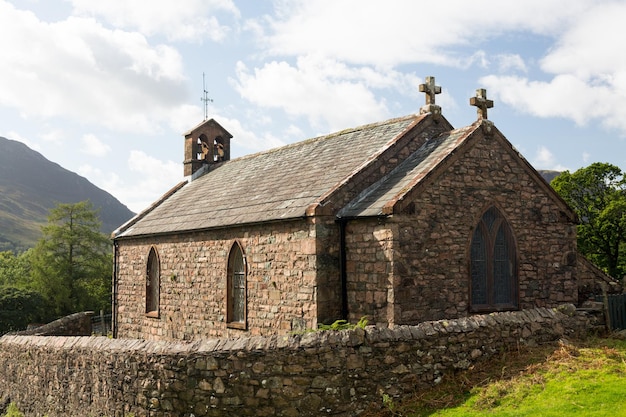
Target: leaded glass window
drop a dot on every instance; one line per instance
(493, 264)
(153, 283)
(236, 314)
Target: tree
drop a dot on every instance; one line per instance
(597, 194)
(19, 308)
(14, 269)
(72, 262)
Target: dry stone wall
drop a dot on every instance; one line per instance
(77, 324)
(321, 373)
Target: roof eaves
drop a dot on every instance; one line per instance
(205, 229)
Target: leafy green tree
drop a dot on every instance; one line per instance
(19, 307)
(597, 193)
(72, 262)
(14, 269)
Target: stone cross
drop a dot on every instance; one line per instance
(430, 89)
(481, 102)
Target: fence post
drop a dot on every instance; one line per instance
(607, 312)
(103, 330)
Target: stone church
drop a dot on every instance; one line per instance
(402, 221)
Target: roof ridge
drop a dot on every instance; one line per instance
(326, 137)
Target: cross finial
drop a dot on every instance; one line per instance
(481, 102)
(431, 90)
(205, 98)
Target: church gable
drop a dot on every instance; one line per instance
(445, 256)
(390, 193)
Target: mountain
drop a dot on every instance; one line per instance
(549, 175)
(30, 185)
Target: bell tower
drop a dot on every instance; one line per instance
(206, 144)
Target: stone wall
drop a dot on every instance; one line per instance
(593, 282)
(369, 268)
(431, 232)
(77, 324)
(322, 373)
(281, 264)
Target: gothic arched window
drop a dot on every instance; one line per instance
(236, 288)
(153, 283)
(493, 264)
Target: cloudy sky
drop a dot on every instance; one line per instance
(107, 88)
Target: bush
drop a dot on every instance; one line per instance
(18, 308)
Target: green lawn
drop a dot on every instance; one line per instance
(586, 379)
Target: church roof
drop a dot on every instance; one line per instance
(274, 185)
(375, 200)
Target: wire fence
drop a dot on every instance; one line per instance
(101, 324)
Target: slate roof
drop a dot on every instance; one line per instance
(379, 198)
(274, 185)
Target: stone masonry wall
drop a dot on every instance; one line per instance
(434, 231)
(77, 324)
(281, 287)
(322, 373)
(369, 271)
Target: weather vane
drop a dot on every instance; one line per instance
(205, 98)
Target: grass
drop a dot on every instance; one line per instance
(581, 379)
(13, 411)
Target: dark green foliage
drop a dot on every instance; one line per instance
(597, 194)
(20, 307)
(72, 262)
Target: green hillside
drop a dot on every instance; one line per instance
(30, 185)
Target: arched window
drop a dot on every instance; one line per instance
(236, 288)
(493, 266)
(153, 283)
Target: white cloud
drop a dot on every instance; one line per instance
(246, 140)
(564, 96)
(590, 47)
(178, 20)
(54, 136)
(92, 74)
(94, 146)
(363, 32)
(155, 178)
(589, 74)
(511, 62)
(326, 92)
(544, 159)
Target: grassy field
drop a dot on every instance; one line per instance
(577, 379)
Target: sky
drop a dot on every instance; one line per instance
(107, 89)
